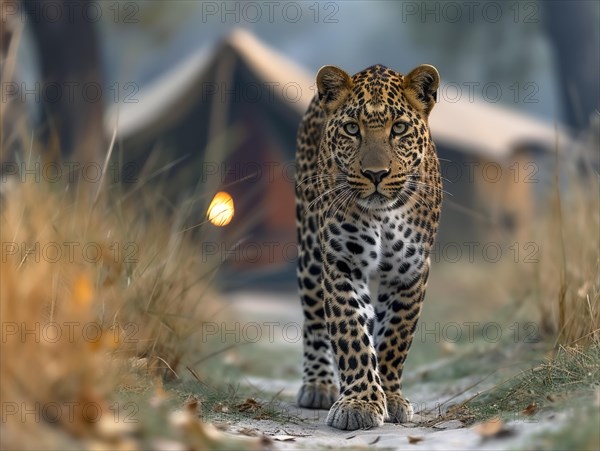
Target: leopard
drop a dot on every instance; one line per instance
(368, 202)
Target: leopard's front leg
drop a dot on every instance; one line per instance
(350, 319)
(319, 382)
(399, 306)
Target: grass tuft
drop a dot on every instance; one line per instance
(100, 299)
(568, 378)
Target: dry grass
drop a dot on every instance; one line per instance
(97, 295)
(559, 284)
(567, 378)
(553, 278)
(567, 276)
(550, 289)
(101, 295)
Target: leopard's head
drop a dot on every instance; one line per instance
(376, 133)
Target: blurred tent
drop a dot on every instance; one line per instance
(227, 118)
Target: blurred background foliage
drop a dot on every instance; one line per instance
(552, 43)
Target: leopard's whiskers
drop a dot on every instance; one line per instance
(433, 188)
(319, 197)
(416, 174)
(351, 201)
(344, 197)
(337, 197)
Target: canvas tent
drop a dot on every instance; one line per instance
(229, 116)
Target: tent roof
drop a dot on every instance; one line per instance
(487, 129)
(163, 94)
(476, 127)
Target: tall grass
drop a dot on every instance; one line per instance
(567, 275)
(102, 293)
(98, 293)
(549, 272)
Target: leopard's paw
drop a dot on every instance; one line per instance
(317, 396)
(351, 413)
(399, 409)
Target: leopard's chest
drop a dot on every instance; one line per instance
(386, 245)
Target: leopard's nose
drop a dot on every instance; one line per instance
(376, 176)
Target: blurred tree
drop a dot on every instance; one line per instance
(481, 42)
(527, 40)
(69, 59)
(572, 28)
(10, 110)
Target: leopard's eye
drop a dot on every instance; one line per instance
(352, 128)
(399, 128)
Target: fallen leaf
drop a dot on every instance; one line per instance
(530, 410)
(249, 405)
(494, 427)
(283, 438)
(414, 439)
(192, 404)
(220, 407)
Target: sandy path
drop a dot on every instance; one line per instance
(312, 432)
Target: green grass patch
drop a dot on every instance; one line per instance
(231, 402)
(571, 377)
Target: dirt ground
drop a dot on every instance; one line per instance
(296, 428)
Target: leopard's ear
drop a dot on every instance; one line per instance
(333, 85)
(422, 84)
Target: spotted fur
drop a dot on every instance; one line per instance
(368, 205)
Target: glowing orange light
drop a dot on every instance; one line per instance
(220, 211)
